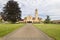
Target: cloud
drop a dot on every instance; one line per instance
(45, 7)
(51, 8)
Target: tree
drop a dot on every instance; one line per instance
(12, 11)
(47, 20)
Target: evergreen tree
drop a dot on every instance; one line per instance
(12, 11)
(47, 20)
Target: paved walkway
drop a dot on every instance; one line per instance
(28, 32)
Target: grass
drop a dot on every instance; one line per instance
(7, 28)
(53, 30)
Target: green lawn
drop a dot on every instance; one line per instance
(53, 30)
(7, 28)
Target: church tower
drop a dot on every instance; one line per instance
(36, 14)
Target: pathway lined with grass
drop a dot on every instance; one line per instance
(28, 32)
(7, 28)
(53, 30)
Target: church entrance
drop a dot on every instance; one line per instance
(29, 22)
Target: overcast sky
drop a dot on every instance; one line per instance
(45, 7)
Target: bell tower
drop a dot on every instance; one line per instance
(36, 14)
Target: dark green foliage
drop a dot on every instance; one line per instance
(47, 20)
(12, 11)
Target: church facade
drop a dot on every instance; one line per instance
(30, 19)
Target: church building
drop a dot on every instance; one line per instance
(30, 19)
